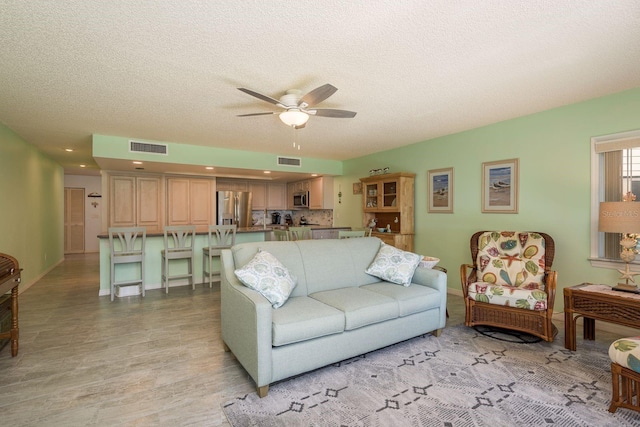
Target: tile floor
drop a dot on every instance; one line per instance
(84, 360)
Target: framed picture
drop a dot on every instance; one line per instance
(357, 188)
(500, 186)
(440, 191)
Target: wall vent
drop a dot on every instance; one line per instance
(145, 147)
(289, 161)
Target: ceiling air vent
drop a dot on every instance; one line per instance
(289, 161)
(145, 147)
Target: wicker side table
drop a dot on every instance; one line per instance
(597, 302)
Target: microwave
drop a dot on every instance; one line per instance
(301, 199)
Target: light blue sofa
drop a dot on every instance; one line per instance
(336, 311)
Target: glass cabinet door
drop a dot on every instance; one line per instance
(390, 196)
(371, 196)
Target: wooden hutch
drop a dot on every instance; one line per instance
(389, 199)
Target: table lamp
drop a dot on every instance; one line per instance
(623, 217)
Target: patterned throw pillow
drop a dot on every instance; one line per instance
(394, 265)
(265, 274)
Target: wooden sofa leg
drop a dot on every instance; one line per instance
(263, 391)
(226, 347)
(437, 332)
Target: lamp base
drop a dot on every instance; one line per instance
(624, 287)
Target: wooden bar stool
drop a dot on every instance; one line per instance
(220, 237)
(126, 246)
(179, 246)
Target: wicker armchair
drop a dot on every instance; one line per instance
(510, 284)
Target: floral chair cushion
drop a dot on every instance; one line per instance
(626, 352)
(510, 270)
(530, 299)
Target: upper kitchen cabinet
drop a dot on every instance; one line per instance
(321, 193)
(258, 195)
(136, 201)
(276, 196)
(264, 195)
(190, 202)
(232, 185)
(298, 186)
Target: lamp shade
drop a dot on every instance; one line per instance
(294, 117)
(619, 217)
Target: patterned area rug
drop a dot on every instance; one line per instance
(462, 378)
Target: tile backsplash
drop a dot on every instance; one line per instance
(316, 216)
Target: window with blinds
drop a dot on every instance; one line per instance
(616, 166)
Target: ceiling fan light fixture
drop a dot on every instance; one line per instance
(294, 117)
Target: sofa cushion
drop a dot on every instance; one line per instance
(394, 265)
(511, 296)
(360, 306)
(411, 299)
(286, 252)
(265, 274)
(303, 318)
(333, 264)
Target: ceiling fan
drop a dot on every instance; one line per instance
(298, 108)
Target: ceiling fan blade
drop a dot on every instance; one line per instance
(259, 95)
(255, 114)
(317, 95)
(330, 112)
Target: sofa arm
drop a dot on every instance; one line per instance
(246, 323)
(437, 280)
(432, 278)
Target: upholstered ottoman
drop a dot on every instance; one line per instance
(625, 373)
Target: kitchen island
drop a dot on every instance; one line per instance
(153, 258)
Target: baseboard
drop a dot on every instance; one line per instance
(26, 285)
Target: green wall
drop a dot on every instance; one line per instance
(115, 147)
(32, 207)
(554, 149)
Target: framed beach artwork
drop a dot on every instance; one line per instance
(500, 186)
(440, 191)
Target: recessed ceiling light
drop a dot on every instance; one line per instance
(267, 171)
(314, 174)
(209, 167)
(68, 149)
(83, 166)
(137, 163)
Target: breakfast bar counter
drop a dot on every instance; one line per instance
(153, 258)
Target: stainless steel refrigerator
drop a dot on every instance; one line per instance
(234, 207)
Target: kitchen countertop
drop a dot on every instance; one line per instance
(254, 229)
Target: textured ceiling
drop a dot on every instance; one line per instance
(168, 70)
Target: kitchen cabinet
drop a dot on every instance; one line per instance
(190, 202)
(389, 199)
(258, 195)
(321, 193)
(295, 187)
(276, 196)
(300, 186)
(232, 185)
(136, 201)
